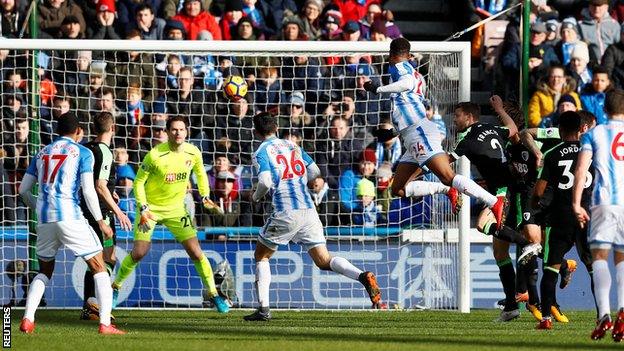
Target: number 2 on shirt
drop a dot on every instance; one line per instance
(59, 159)
(294, 167)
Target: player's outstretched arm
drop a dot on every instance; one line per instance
(25, 192)
(582, 166)
(527, 139)
(497, 105)
(405, 83)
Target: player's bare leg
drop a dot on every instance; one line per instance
(404, 185)
(262, 255)
(324, 260)
(193, 249)
(35, 293)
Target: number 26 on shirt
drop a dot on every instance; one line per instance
(293, 167)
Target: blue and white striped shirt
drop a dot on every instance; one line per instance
(606, 143)
(408, 106)
(58, 168)
(287, 163)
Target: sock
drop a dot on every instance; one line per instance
(591, 278)
(127, 267)
(89, 287)
(531, 272)
(467, 186)
(507, 276)
(602, 286)
(35, 292)
(619, 276)
(104, 295)
(508, 234)
(263, 281)
(344, 267)
(205, 273)
(548, 288)
(418, 188)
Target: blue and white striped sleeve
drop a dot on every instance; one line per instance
(32, 167)
(587, 141)
(86, 161)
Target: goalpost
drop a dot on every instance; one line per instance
(418, 249)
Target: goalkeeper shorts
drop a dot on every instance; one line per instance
(300, 226)
(181, 226)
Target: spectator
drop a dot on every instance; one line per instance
(221, 164)
(548, 93)
(613, 61)
(292, 30)
(352, 10)
(238, 127)
(566, 103)
(133, 68)
(226, 198)
(367, 213)
(52, 13)
(135, 109)
(302, 73)
(145, 21)
(128, 10)
(593, 97)
(349, 179)
(384, 176)
(233, 13)
(578, 67)
(104, 28)
(598, 29)
(552, 27)
(71, 28)
(274, 12)
(77, 79)
(12, 12)
(14, 107)
(326, 202)
(197, 20)
(378, 31)
(170, 7)
(267, 89)
(433, 115)
(175, 30)
(310, 18)
(245, 30)
(16, 161)
(388, 145)
(373, 13)
(351, 31)
(253, 13)
(193, 103)
(123, 184)
(330, 26)
(569, 40)
(87, 99)
(335, 153)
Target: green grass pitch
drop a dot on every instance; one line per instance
(307, 330)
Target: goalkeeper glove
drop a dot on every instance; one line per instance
(210, 205)
(146, 217)
(371, 86)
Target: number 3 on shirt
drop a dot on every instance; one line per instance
(59, 159)
(292, 168)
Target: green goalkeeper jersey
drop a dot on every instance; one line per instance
(164, 175)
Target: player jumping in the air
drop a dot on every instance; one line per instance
(160, 187)
(61, 169)
(285, 170)
(422, 139)
(603, 148)
(104, 182)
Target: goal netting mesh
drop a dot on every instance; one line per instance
(411, 244)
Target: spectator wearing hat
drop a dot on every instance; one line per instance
(105, 26)
(578, 67)
(196, 20)
(145, 21)
(598, 29)
(347, 185)
(352, 10)
(374, 13)
(367, 213)
(226, 198)
(566, 103)
(274, 12)
(174, 30)
(76, 79)
(292, 29)
(245, 30)
(378, 31)
(613, 61)
(221, 163)
(330, 25)
(593, 96)
(552, 28)
(71, 28)
(569, 40)
(53, 12)
(310, 16)
(253, 13)
(548, 93)
(387, 146)
(12, 17)
(351, 31)
(296, 119)
(232, 14)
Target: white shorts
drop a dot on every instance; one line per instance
(299, 226)
(76, 235)
(422, 141)
(606, 227)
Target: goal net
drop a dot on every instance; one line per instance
(312, 89)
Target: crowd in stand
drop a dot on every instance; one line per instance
(316, 99)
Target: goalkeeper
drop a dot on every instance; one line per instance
(160, 187)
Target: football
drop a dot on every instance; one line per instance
(234, 88)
